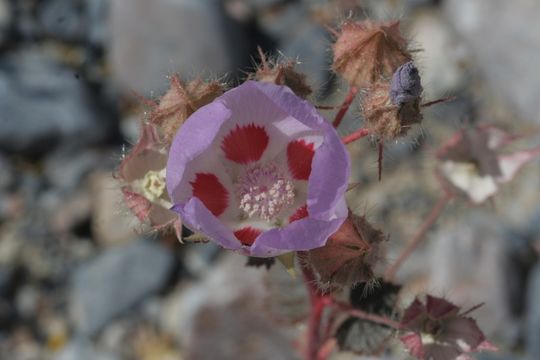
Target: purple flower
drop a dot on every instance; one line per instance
(406, 85)
(259, 171)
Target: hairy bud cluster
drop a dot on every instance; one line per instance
(366, 52)
(283, 73)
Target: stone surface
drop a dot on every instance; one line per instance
(310, 46)
(116, 280)
(79, 349)
(228, 300)
(151, 40)
(512, 28)
(443, 57)
(112, 222)
(469, 265)
(63, 19)
(532, 331)
(43, 104)
(5, 19)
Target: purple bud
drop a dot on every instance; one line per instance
(406, 86)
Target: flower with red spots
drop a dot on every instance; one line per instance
(259, 171)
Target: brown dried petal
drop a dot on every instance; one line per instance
(180, 101)
(349, 255)
(145, 156)
(366, 51)
(283, 73)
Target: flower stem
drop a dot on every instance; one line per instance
(345, 106)
(438, 101)
(318, 303)
(352, 311)
(380, 147)
(419, 236)
(358, 134)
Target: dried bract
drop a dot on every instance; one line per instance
(180, 101)
(350, 254)
(438, 331)
(283, 73)
(366, 52)
(385, 119)
(142, 173)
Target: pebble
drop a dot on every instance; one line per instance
(149, 42)
(43, 105)
(116, 280)
(532, 332)
(513, 28)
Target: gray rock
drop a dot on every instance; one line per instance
(285, 23)
(63, 19)
(43, 105)
(468, 265)
(79, 349)
(5, 17)
(310, 47)
(116, 280)
(443, 55)
(7, 176)
(152, 40)
(65, 168)
(96, 14)
(532, 332)
(495, 32)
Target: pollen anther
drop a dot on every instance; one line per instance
(263, 191)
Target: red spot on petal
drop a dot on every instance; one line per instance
(300, 213)
(247, 235)
(211, 192)
(299, 156)
(245, 144)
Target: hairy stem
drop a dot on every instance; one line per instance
(419, 236)
(352, 311)
(358, 134)
(345, 106)
(318, 303)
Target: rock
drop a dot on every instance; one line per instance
(532, 331)
(513, 28)
(67, 168)
(80, 349)
(63, 19)
(112, 222)
(7, 175)
(230, 299)
(96, 13)
(310, 47)
(115, 281)
(43, 105)
(5, 19)
(152, 40)
(469, 265)
(285, 22)
(443, 55)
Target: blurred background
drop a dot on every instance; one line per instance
(78, 281)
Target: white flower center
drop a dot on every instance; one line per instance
(153, 185)
(264, 190)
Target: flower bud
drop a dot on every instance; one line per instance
(366, 52)
(180, 101)
(385, 119)
(406, 85)
(349, 255)
(283, 73)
